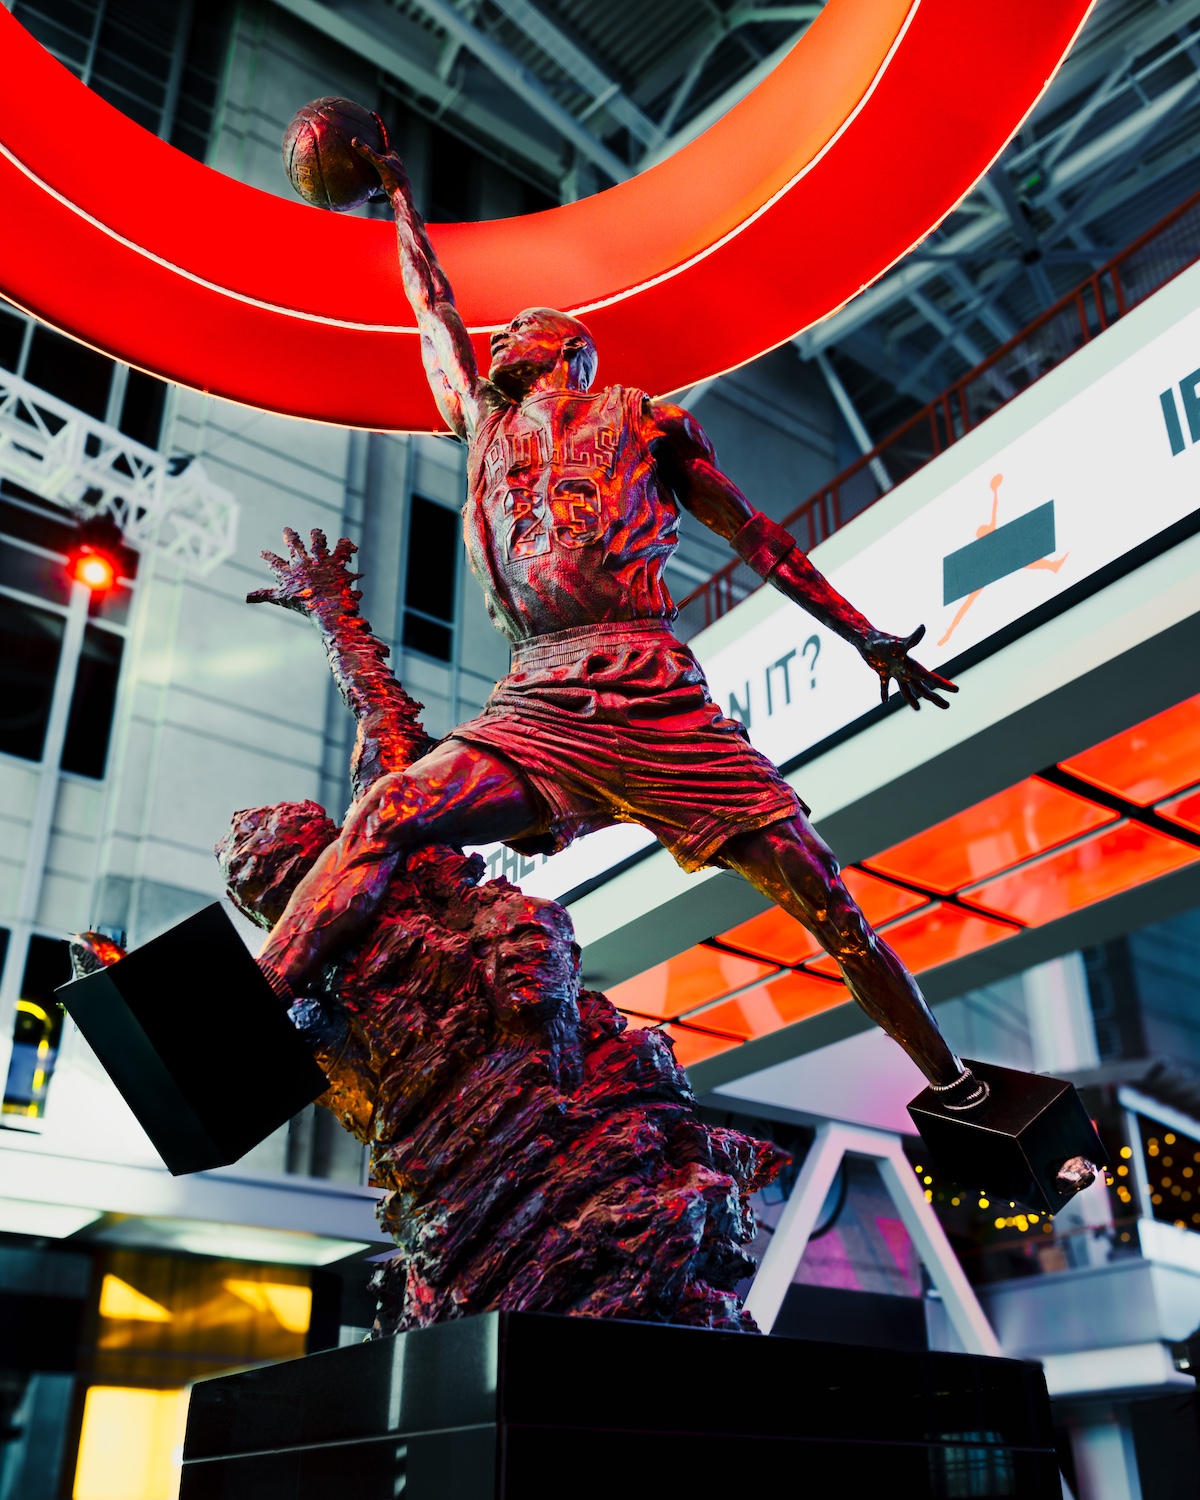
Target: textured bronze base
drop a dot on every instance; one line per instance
(519, 1406)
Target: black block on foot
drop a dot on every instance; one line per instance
(1013, 1143)
(199, 1047)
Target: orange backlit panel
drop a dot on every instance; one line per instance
(775, 935)
(770, 1007)
(995, 834)
(936, 935)
(686, 981)
(1106, 864)
(692, 1046)
(1185, 810)
(1150, 761)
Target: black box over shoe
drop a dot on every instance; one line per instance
(1012, 1145)
(198, 1045)
(528, 1406)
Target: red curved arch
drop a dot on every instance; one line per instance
(863, 138)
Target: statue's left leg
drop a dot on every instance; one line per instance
(792, 864)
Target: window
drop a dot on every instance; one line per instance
(430, 579)
(72, 372)
(37, 1030)
(30, 645)
(34, 598)
(85, 750)
(126, 51)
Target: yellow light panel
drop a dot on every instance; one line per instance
(120, 1300)
(1159, 756)
(993, 835)
(681, 983)
(693, 1046)
(291, 1306)
(778, 1003)
(129, 1444)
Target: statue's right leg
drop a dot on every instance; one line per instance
(457, 794)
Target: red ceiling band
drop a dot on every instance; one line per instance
(862, 140)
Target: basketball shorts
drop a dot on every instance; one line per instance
(614, 724)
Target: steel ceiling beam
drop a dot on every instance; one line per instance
(525, 84)
(374, 33)
(592, 79)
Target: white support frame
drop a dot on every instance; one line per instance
(94, 470)
(834, 1141)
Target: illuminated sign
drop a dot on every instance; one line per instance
(1076, 492)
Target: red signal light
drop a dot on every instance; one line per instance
(94, 569)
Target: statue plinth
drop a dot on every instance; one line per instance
(542, 1407)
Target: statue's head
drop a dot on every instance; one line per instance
(530, 955)
(267, 853)
(540, 342)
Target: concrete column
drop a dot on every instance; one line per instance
(1105, 1462)
(1061, 1030)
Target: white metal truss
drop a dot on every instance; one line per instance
(168, 506)
(835, 1140)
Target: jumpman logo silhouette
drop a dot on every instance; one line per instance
(1052, 563)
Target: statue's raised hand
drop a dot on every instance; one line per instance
(307, 579)
(386, 162)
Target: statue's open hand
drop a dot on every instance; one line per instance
(888, 656)
(306, 579)
(386, 162)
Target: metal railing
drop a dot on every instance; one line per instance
(1136, 273)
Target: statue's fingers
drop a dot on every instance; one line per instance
(915, 639)
(383, 131)
(908, 693)
(317, 542)
(273, 560)
(295, 545)
(261, 596)
(344, 551)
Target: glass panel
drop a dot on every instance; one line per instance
(37, 1028)
(75, 374)
(45, 577)
(770, 1007)
(686, 981)
(433, 543)
(89, 726)
(30, 646)
(1153, 759)
(1104, 865)
(1184, 810)
(142, 408)
(937, 935)
(1173, 1172)
(993, 835)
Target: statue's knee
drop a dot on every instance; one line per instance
(390, 812)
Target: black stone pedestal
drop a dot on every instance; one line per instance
(519, 1406)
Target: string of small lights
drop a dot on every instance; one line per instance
(1173, 1173)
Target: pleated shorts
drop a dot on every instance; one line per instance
(613, 724)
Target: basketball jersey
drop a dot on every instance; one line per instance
(565, 522)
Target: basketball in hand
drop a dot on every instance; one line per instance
(321, 164)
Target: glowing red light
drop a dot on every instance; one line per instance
(94, 569)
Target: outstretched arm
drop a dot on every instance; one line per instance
(446, 348)
(687, 462)
(319, 585)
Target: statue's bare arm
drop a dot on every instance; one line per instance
(687, 462)
(446, 348)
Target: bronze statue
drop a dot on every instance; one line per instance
(537, 1154)
(571, 514)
